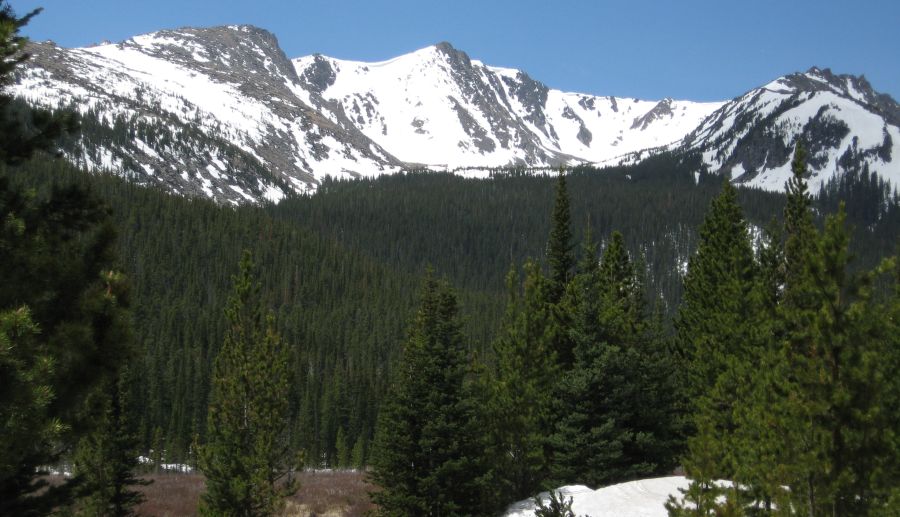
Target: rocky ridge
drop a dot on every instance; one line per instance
(223, 113)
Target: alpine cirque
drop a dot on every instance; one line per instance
(222, 112)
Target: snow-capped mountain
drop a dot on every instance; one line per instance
(840, 119)
(223, 113)
(215, 112)
(438, 107)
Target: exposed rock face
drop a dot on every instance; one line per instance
(222, 112)
(843, 123)
(439, 107)
(661, 110)
(217, 112)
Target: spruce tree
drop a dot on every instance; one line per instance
(246, 456)
(714, 336)
(105, 460)
(615, 409)
(428, 446)
(559, 245)
(561, 261)
(519, 388)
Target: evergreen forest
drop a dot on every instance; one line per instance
(470, 341)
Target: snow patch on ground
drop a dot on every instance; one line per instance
(642, 498)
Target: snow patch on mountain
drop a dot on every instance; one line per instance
(225, 96)
(438, 107)
(841, 121)
(223, 113)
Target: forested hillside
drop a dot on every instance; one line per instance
(341, 268)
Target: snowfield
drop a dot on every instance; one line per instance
(223, 113)
(642, 498)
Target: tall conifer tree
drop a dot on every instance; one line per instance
(838, 344)
(811, 391)
(246, 457)
(616, 408)
(106, 460)
(561, 261)
(559, 246)
(428, 446)
(518, 391)
(714, 327)
(52, 312)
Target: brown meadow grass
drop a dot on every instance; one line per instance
(338, 493)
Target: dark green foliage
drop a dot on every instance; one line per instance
(105, 460)
(339, 268)
(23, 130)
(341, 305)
(428, 445)
(57, 312)
(799, 230)
(28, 427)
(474, 229)
(795, 413)
(839, 347)
(723, 339)
(616, 410)
(559, 246)
(518, 388)
(247, 455)
(561, 261)
(557, 506)
(713, 317)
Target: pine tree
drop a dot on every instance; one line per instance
(519, 387)
(58, 255)
(838, 343)
(428, 445)
(797, 413)
(559, 245)
(715, 334)
(26, 422)
(561, 261)
(60, 320)
(106, 460)
(342, 449)
(357, 455)
(46, 299)
(712, 320)
(799, 231)
(557, 506)
(615, 407)
(246, 455)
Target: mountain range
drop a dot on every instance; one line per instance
(222, 112)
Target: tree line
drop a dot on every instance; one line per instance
(778, 378)
(125, 333)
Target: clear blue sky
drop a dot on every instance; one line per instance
(687, 49)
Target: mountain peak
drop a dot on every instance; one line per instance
(842, 121)
(445, 46)
(455, 57)
(232, 118)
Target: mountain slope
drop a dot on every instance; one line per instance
(841, 120)
(214, 112)
(223, 113)
(438, 107)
